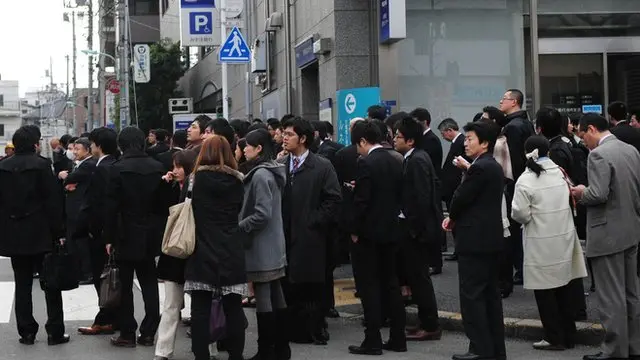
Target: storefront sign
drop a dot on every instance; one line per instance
(393, 21)
(597, 109)
(304, 53)
(353, 103)
(326, 110)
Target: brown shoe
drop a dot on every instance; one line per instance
(97, 330)
(423, 335)
(122, 342)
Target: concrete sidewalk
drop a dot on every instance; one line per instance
(520, 309)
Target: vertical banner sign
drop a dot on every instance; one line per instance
(393, 21)
(353, 103)
(141, 64)
(197, 22)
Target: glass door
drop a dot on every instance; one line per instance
(624, 79)
(573, 83)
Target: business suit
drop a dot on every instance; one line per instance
(451, 174)
(93, 212)
(626, 133)
(377, 197)
(430, 143)
(80, 177)
(476, 210)
(613, 204)
(420, 234)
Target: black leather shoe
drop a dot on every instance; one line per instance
(145, 340)
(363, 350)
(333, 313)
(470, 356)
(600, 356)
(394, 346)
(57, 340)
(27, 339)
(435, 271)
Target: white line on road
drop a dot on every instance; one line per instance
(80, 304)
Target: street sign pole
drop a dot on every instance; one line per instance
(225, 80)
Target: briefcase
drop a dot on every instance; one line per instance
(110, 286)
(58, 270)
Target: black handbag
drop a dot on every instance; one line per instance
(58, 270)
(110, 285)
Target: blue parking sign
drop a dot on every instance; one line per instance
(201, 23)
(352, 103)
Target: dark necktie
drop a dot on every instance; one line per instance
(296, 165)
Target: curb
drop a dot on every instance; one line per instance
(590, 334)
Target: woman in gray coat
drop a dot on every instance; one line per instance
(261, 219)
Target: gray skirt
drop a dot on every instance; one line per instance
(265, 276)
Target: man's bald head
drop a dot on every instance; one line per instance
(54, 143)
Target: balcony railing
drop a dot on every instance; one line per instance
(9, 106)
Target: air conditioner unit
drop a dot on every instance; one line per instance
(274, 22)
(181, 106)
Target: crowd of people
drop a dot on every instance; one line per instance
(277, 206)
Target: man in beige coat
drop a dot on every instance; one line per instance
(613, 224)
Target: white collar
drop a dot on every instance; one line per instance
(456, 138)
(426, 131)
(604, 137)
(408, 153)
(377, 146)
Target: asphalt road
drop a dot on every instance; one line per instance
(80, 307)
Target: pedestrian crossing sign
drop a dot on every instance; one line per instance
(235, 49)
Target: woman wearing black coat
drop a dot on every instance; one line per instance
(217, 266)
(171, 269)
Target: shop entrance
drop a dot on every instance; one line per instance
(586, 74)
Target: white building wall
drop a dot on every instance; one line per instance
(170, 21)
(10, 115)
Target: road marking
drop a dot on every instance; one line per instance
(7, 292)
(80, 304)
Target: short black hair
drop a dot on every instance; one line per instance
(179, 139)
(384, 130)
(273, 123)
(64, 140)
(106, 139)
(410, 129)
(84, 142)
(263, 138)
(23, 141)
(221, 127)
(596, 120)
(549, 121)
(257, 126)
(161, 135)
(202, 121)
(329, 126)
(285, 118)
(486, 132)
(302, 128)
(35, 133)
(366, 130)
(617, 110)
(494, 114)
(449, 124)
(423, 115)
(241, 127)
(518, 96)
(395, 117)
(72, 140)
(477, 117)
(84, 134)
(377, 112)
(321, 128)
(131, 139)
(257, 120)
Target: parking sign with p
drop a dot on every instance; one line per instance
(200, 23)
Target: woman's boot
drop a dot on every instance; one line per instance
(266, 336)
(282, 348)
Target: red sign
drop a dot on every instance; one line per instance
(114, 86)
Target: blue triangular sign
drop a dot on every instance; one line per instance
(235, 48)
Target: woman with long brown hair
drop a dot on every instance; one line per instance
(217, 266)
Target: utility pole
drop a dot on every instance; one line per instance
(90, 125)
(224, 66)
(123, 20)
(51, 73)
(75, 58)
(66, 57)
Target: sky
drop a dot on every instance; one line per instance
(32, 32)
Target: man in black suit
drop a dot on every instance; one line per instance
(76, 185)
(105, 149)
(620, 127)
(178, 143)
(476, 214)
(419, 226)
(374, 232)
(432, 145)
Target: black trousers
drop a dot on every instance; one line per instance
(375, 272)
(99, 258)
(80, 245)
(556, 308)
(23, 269)
(481, 304)
(200, 317)
(306, 310)
(414, 271)
(145, 271)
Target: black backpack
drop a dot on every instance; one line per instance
(580, 153)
